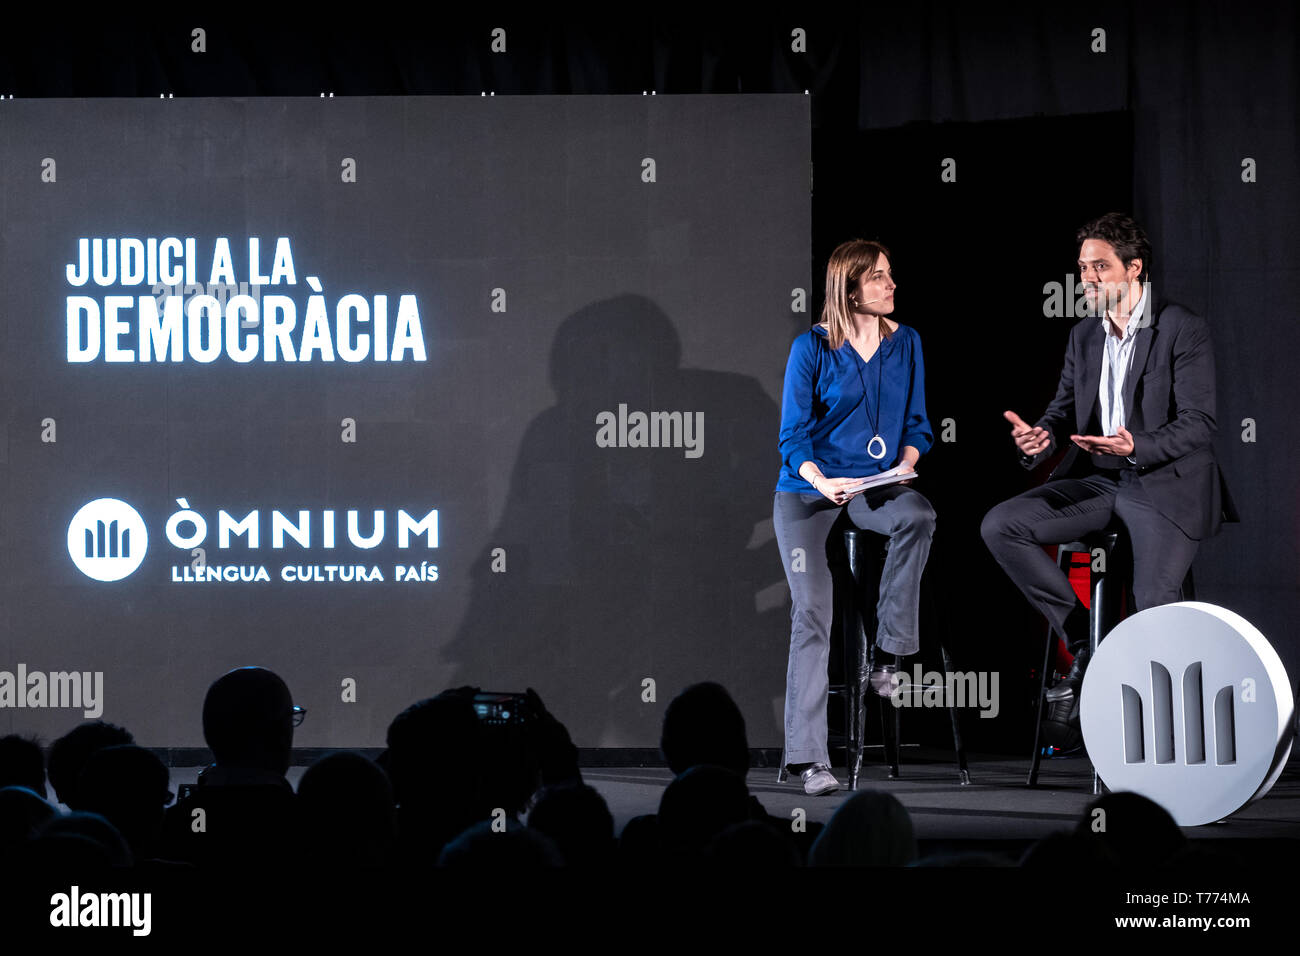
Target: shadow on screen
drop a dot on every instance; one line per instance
(622, 565)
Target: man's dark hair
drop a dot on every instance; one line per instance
(1122, 232)
(68, 754)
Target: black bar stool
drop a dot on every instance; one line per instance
(859, 650)
(1109, 583)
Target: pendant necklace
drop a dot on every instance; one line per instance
(873, 422)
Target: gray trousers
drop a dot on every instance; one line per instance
(1067, 509)
(803, 523)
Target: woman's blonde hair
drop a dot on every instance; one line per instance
(847, 264)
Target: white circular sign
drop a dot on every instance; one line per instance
(107, 539)
(1189, 705)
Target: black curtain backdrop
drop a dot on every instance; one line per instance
(1186, 102)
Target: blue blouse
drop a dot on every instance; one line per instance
(825, 404)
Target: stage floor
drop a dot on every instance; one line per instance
(996, 812)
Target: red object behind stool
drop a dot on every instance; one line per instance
(1079, 580)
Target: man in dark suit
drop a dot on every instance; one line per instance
(1136, 402)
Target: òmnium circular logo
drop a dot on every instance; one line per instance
(107, 539)
(1189, 705)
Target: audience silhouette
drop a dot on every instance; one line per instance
(577, 819)
(22, 814)
(349, 816)
(703, 726)
(512, 847)
(68, 755)
(127, 786)
(22, 764)
(870, 828)
(243, 812)
(455, 787)
(434, 760)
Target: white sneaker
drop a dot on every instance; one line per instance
(818, 779)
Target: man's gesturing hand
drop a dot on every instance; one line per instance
(1030, 441)
(1120, 443)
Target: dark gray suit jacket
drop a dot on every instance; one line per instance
(1169, 403)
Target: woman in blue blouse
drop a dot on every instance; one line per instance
(853, 407)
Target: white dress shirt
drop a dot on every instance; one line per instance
(1116, 359)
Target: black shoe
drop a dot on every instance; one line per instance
(1063, 712)
(1061, 729)
(1065, 690)
(1068, 686)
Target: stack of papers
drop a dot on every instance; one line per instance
(891, 477)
